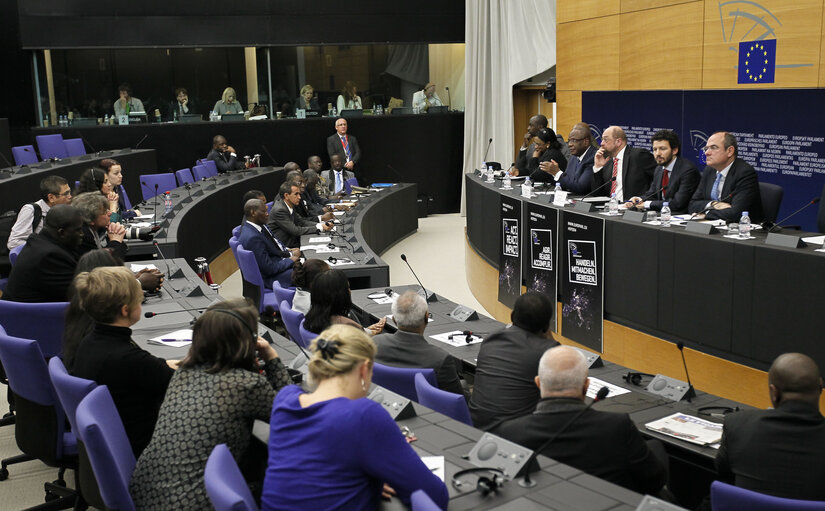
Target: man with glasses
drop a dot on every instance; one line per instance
(53, 190)
(629, 170)
(578, 176)
(729, 184)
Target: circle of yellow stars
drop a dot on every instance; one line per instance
(758, 48)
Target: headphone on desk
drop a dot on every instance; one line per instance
(636, 378)
(468, 336)
(484, 485)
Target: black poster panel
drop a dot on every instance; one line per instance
(582, 270)
(540, 251)
(509, 273)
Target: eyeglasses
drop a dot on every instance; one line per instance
(710, 148)
(577, 140)
(67, 193)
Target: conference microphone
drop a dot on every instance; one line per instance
(274, 163)
(691, 393)
(779, 227)
(526, 481)
(8, 163)
(169, 276)
(489, 143)
(351, 247)
(598, 188)
(141, 140)
(153, 314)
(449, 99)
(712, 203)
(79, 134)
(653, 194)
(428, 295)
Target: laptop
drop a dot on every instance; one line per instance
(232, 117)
(190, 118)
(349, 114)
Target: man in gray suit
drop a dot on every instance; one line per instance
(337, 175)
(407, 347)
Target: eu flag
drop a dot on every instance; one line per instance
(757, 61)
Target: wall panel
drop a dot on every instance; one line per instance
(588, 54)
(641, 5)
(575, 10)
(568, 110)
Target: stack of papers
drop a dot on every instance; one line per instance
(320, 239)
(137, 267)
(596, 384)
(435, 464)
(176, 339)
(689, 428)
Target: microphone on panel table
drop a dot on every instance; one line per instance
(776, 227)
(489, 143)
(153, 314)
(691, 393)
(598, 188)
(428, 295)
(137, 146)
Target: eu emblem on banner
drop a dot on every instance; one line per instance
(757, 61)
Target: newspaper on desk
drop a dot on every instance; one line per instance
(456, 338)
(689, 428)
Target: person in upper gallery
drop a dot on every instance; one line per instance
(506, 364)
(303, 276)
(349, 98)
(98, 230)
(114, 175)
(54, 190)
(126, 104)
(228, 104)
(307, 99)
(331, 304)
(546, 148)
(729, 185)
(407, 347)
(344, 448)
(344, 145)
(274, 259)
(603, 444)
(779, 451)
(578, 176)
(97, 180)
(632, 167)
(181, 105)
(675, 179)
(45, 267)
(425, 98)
(536, 123)
(285, 223)
(224, 155)
(109, 356)
(337, 175)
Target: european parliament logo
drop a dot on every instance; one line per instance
(757, 61)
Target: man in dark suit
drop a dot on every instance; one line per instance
(675, 179)
(507, 362)
(407, 347)
(274, 259)
(780, 451)
(285, 223)
(729, 184)
(344, 145)
(45, 267)
(337, 175)
(603, 444)
(224, 155)
(578, 176)
(631, 166)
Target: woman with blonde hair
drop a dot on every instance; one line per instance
(349, 98)
(345, 449)
(307, 99)
(228, 104)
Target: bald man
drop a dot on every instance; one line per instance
(603, 444)
(632, 167)
(780, 451)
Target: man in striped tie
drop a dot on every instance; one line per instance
(344, 145)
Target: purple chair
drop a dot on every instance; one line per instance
(420, 501)
(348, 184)
(157, 184)
(726, 497)
(306, 336)
(13, 253)
(200, 172)
(51, 146)
(101, 431)
(292, 322)
(236, 231)
(42, 322)
(74, 147)
(24, 155)
(401, 380)
(283, 293)
(225, 484)
(184, 176)
(211, 168)
(447, 403)
(253, 282)
(233, 245)
(123, 195)
(269, 206)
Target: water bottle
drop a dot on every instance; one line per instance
(106, 120)
(334, 112)
(507, 183)
(557, 189)
(527, 187)
(744, 225)
(613, 205)
(665, 215)
(167, 204)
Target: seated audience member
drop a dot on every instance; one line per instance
(136, 379)
(337, 175)
(228, 104)
(291, 166)
(96, 180)
(114, 176)
(633, 167)
(729, 185)
(217, 392)
(779, 451)
(314, 194)
(285, 223)
(307, 99)
(344, 145)
(224, 155)
(407, 347)
(98, 231)
(53, 190)
(675, 178)
(527, 149)
(303, 275)
(349, 98)
(254, 194)
(345, 450)
(305, 208)
(274, 259)
(331, 304)
(181, 105)
(546, 148)
(603, 444)
(125, 103)
(425, 98)
(507, 361)
(578, 176)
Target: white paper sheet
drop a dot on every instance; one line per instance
(176, 339)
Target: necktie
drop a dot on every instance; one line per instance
(346, 147)
(714, 192)
(339, 184)
(269, 234)
(665, 181)
(615, 183)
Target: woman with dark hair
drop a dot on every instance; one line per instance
(547, 148)
(114, 175)
(303, 275)
(349, 98)
(96, 180)
(213, 399)
(331, 304)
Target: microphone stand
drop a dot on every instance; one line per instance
(429, 296)
(776, 225)
(691, 393)
(598, 188)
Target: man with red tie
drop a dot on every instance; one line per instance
(631, 167)
(675, 179)
(344, 145)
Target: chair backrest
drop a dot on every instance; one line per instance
(200, 172)
(164, 182)
(24, 155)
(306, 335)
(771, 195)
(401, 380)
(233, 245)
(74, 147)
(101, 431)
(51, 146)
(269, 206)
(283, 293)
(42, 322)
(420, 501)
(348, 184)
(447, 403)
(726, 497)
(184, 176)
(70, 389)
(13, 253)
(251, 275)
(211, 168)
(236, 231)
(124, 196)
(292, 321)
(225, 484)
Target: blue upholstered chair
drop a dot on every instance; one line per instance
(726, 497)
(225, 484)
(401, 380)
(447, 403)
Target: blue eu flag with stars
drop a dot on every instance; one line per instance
(757, 61)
